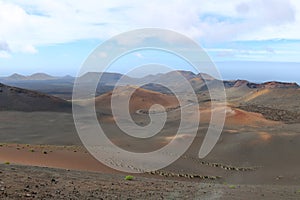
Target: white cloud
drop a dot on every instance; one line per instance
(4, 54)
(102, 54)
(4, 46)
(26, 48)
(4, 50)
(270, 12)
(139, 55)
(28, 24)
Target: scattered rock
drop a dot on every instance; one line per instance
(27, 195)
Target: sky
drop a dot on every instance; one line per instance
(257, 40)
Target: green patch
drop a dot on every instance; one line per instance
(232, 186)
(7, 163)
(129, 178)
(31, 150)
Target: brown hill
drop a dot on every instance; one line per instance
(279, 104)
(17, 99)
(141, 99)
(235, 117)
(267, 85)
(276, 84)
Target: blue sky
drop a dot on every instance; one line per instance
(257, 40)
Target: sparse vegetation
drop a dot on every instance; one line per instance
(232, 186)
(129, 178)
(7, 163)
(31, 150)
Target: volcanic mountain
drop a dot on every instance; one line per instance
(17, 99)
(36, 76)
(16, 77)
(270, 84)
(141, 99)
(40, 76)
(62, 86)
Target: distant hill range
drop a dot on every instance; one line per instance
(63, 86)
(41, 92)
(36, 76)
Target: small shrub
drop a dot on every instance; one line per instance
(128, 178)
(45, 152)
(7, 163)
(232, 186)
(31, 150)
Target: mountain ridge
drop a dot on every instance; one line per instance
(63, 86)
(187, 74)
(19, 99)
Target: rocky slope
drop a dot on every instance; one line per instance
(17, 99)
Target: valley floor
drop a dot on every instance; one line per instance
(27, 182)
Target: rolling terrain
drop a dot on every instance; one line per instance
(17, 99)
(259, 144)
(33, 117)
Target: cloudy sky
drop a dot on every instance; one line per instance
(257, 40)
